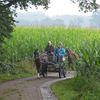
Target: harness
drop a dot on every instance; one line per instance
(74, 55)
(38, 57)
(42, 58)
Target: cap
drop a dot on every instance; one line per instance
(49, 42)
(60, 43)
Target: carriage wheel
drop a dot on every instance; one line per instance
(64, 71)
(60, 71)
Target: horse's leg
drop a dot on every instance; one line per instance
(69, 67)
(38, 67)
(72, 64)
(38, 70)
(69, 64)
(41, 66)
(43, 70)
(46, 70)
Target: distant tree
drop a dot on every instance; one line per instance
(22, 22)
(72, 23)
(95, 19)
(58, 22)
(93, 25)
(76, 22)
(31, 16)
(35, 22)
(46, 22)
(87, 5)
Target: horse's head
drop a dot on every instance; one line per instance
(67, 52)
(36, 54)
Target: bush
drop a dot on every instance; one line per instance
(17, 68)
(87, 81)
(89, 88)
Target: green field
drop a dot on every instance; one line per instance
(84, 42)
(26, 39)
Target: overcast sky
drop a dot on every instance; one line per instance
(59, 7)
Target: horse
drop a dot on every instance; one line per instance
(40, 61)
(71, 55)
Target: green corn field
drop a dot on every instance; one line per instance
(84, 42)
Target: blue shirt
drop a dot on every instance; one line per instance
(62, 51)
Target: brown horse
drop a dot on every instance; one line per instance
(40, 63)
(71, 55)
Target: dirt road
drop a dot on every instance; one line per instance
(25, 88)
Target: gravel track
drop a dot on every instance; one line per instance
(26, 88)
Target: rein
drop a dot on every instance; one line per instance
(39, 56)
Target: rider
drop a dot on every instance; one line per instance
(60, 52)
(50, 50)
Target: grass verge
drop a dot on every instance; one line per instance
(78, 88)
(64, 90)
(5, 77)
(17, 70)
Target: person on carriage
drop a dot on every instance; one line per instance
(50, 50)
(60, 52)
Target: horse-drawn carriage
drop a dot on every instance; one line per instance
(50, 63)
(52, 66)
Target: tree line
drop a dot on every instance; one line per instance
(40, 19)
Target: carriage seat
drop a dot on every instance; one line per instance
(50, 58)
(62, 59)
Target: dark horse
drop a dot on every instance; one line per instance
(71, 55)
(41, 65)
